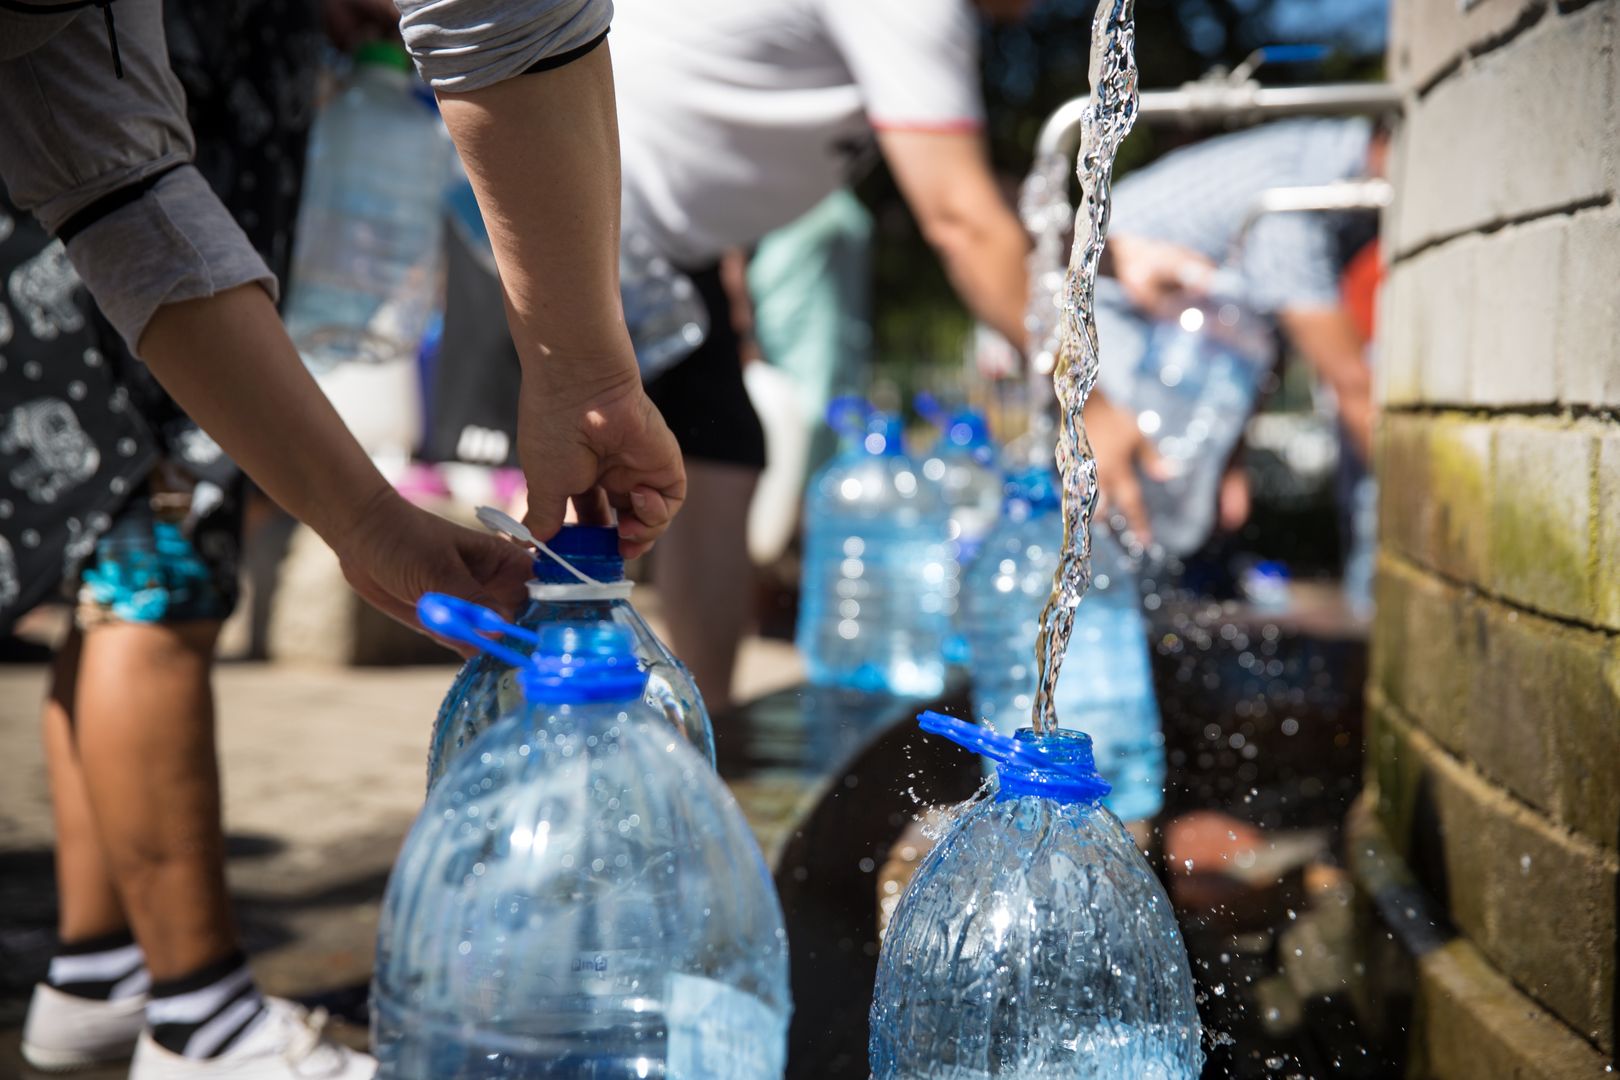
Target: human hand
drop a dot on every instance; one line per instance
(1235, 499)
(1153, 271)
(394, 552)
(1122, 451)
(603, 445)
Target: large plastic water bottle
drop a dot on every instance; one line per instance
(878, 577)
(366, 254)
(580, 897)
(1106, 685)
(487, 686)
(963, 462)
(1192, 391)
(1034, 941)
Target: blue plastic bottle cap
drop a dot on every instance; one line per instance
(968, 430)
(1037, 487)
(593, 549)
(885, 436)
(582, 662)
(1071, 776)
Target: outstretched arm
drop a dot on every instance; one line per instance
(946, 180)
(1330, 343)
(542, 151)
(184, 287)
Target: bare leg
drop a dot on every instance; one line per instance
(88, 905)
(145, 726)
(705, 578)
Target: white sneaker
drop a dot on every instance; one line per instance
(64, 1032)
(286, 1043)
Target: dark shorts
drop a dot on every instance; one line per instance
(703, 398)
(158, 563)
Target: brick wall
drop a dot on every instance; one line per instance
(1494, 744)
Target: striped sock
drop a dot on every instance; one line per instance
(106, 968)
(203, 1014)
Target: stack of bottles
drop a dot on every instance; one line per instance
(580, 897)
(1034, 940)
(879, 579)
(579, 579)
(1106, 685)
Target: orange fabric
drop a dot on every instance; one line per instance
(1358, 289)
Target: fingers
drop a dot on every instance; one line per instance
(498, 571)
(1125, 493)
(1233, 501)
(1152, 463)
(547, 511)
(592, 507)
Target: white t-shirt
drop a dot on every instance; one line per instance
(737, 116)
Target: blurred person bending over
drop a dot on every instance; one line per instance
(99, 149)
(738, 116)
(1185, 214)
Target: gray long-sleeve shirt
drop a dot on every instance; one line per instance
(76, 138)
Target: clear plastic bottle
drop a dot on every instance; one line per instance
(580, 897)
(1034, 942)
(1192, 391)
(963, 461)
(1106, 685)
(878, 581)
(368, 246)
(487, 686)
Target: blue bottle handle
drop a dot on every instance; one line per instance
(998, 747)
(464, 621)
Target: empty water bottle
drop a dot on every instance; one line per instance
(580, 897)
(487, 686)
(878, 578)
(366, 254)
(1034, 941)
(1192, 391)
(1106, 685)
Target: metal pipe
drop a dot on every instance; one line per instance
(1369, 194)
(1212, 101)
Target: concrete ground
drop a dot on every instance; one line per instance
(323, 774)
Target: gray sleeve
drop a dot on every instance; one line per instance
(462, 45)
(75, 134)
(176, 242)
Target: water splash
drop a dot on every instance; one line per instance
(1106, 121)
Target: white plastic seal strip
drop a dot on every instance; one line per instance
(587, 589)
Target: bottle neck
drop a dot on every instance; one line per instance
(579, 591)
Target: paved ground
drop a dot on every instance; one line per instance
(323, 774)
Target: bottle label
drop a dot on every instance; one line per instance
(717, 1032)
